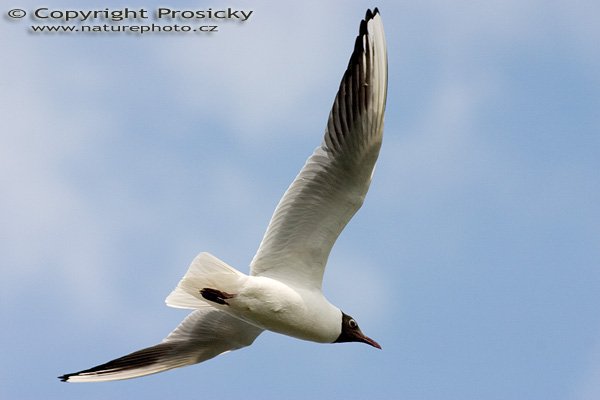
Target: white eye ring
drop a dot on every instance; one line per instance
(352, 324)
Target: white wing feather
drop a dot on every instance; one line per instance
(334, 181)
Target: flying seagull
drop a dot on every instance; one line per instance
(283, 291)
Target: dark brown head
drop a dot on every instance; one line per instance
(351, 333)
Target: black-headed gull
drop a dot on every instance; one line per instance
(283, 291)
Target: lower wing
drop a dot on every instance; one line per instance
(204, 334)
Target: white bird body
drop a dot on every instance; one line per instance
(266, 303)
(298, 312)
(283, 293)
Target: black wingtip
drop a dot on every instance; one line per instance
(362, 31)
(137, 359)
(369, 15)
(363, 28)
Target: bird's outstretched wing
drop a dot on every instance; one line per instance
(334, 181)
(204, 334)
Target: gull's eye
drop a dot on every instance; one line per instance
(353, 324)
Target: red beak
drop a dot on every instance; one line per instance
(370, 341)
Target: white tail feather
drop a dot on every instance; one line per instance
(206, 271)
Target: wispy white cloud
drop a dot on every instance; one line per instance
(42, 212)
(254, 77)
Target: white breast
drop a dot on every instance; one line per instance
(275, 306)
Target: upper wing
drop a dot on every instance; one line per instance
(334, 181)
(204, 334)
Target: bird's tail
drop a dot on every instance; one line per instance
(205, 272)
(151, 360)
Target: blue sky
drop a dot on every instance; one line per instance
(475, 261)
